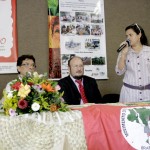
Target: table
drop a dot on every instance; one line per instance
(93, 127)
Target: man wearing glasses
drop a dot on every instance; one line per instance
(25, 63)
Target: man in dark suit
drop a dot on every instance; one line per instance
(71, 90)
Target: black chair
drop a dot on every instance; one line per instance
(110, 98)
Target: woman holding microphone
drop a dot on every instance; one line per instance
(134, 62)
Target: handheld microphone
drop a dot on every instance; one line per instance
(123, 46)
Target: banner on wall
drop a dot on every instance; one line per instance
(8, 39)
(77, 28)
(54, 39)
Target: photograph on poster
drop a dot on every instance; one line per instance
(86, 60)
(96, 30)
(98, 71)
(65, 58)
(83, 29)
(68, 29)
(67, 16)
(92, 44)
(95, 18)
(82, 17)
(98, 61)
(72, 45)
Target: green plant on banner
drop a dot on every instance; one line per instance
(53, 7)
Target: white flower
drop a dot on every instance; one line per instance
(10, 94)
(35, 106)
(35, 74)
(41, 75)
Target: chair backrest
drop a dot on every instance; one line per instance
(110, 98)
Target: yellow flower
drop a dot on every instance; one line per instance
(24, 90)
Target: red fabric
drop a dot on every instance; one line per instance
(81, 89)
(102, 128)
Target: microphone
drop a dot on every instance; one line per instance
(123, 46)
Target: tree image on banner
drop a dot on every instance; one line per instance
(135, 121)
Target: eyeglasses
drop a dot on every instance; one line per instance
(27, 65)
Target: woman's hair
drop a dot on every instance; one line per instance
(23, 57)
(138, 29)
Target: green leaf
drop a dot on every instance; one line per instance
(52, 3)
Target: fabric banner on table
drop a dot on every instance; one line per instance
(8, 37)
(103, 129)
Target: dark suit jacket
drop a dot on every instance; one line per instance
(72, 95)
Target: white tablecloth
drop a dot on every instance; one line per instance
(44, 131)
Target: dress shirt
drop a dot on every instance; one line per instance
(71, 93)
(74, 80)
(137, 73)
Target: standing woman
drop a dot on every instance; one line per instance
(134, 62)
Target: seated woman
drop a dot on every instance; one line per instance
(25, 63)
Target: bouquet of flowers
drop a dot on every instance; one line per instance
(33, 93)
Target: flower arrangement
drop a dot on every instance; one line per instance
(33, 93)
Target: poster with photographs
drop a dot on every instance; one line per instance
(82, 33)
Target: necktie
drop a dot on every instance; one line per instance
(81, 89)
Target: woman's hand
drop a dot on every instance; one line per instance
(125, 49)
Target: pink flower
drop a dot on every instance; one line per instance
(22, 104)
(57, 88)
